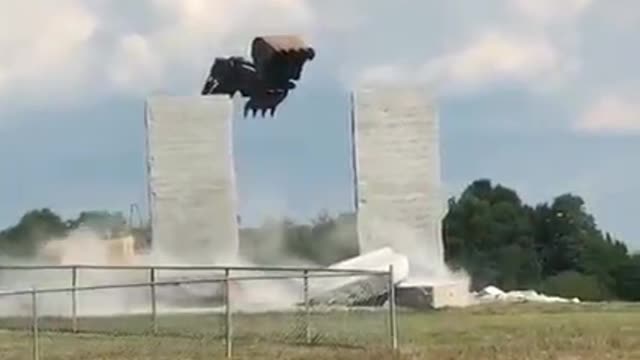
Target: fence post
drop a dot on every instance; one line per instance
(34, 318)
(392, 311)
(74, 299)
(227, 305)
(307, 308)
(154, 309)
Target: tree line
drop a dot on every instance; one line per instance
(488, 231)
(554, 247)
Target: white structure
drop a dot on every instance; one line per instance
(397, 165)
(192, 190)
(450, 294)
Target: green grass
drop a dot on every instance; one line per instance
(524, 331)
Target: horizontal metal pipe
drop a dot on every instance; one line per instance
(168, 283)
(187, 268)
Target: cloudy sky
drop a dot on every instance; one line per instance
(540, 95)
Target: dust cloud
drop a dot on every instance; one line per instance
(84, 247)
(424, 251)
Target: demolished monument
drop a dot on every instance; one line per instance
(397, 168)
(399, 202)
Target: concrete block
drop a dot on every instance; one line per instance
(434, 296)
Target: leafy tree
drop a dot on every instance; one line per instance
(33, 229)
(557, 246)
(489, 233)
(566, 229)
(568, 240)
(627, 277)
(574, 284)
(104, 223)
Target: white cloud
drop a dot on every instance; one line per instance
(67, 49)
(43, 40)
(611, 115)
(533, 44)
(87, 51)
(193, 31)
(488, 59)
(134, 65)
(496, 56)
(551, 10)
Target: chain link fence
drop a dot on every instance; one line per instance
(192, 312)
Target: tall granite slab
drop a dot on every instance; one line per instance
(397, 166)
(191, 181)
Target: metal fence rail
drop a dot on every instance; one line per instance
(307, 316)
(196, 267)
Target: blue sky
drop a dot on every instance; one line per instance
(540, 95)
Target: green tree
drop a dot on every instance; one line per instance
(574, 284)
(33, 229)
(488, 231)
(627, 277)
(104, 223)
(568, 239)
(564, 228)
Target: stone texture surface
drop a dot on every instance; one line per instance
(397, 162)
(435, 296)
(192, 190)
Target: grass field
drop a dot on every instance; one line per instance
(519, 331)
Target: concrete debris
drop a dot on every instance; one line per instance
(361, 289)
(435, 296)
(372, 290)
(494, 294)
(378, 260)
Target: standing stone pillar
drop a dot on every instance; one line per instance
(397, 165)
(191, 181)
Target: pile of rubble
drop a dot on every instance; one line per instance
(493, 294)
